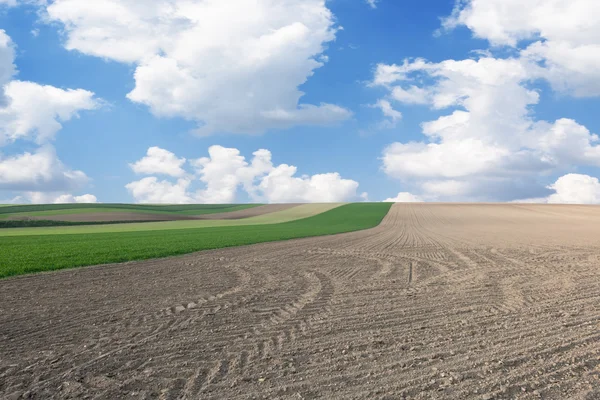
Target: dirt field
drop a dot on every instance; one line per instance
(438, 302)
(137, 216)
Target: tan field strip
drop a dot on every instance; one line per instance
(106, 215)
(438, 302)
(286, 213)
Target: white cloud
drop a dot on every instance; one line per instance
(410, 95)
(490, 134)
(57, 198)
(7, 56)
(281, 186)
(32, 111)
(225, 172)
(231, 66)
(86, 198)
(506, 22)
(386, 75)
(571, 189)
(565, 35)
(221, 174)
(36, 111)
(151, 190)
(159, 161)
(575, 188)
(39, 171)
(29, 111)
(489, 145)
(392, 116)
(404, 197)
(372, 3)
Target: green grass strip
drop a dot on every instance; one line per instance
(27, 254)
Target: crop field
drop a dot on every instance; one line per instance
(416, 301)
(118, 212)
(51, 209)
(270, 215)
(22, 253)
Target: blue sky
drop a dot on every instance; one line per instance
(533, 149)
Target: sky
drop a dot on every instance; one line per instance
(274, 101)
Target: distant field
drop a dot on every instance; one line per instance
(35, 253)
(298, 212)
(65, 209)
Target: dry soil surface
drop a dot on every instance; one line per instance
(136, 216)
(438, 302)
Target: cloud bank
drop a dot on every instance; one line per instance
(230, 66)
(488, 144)
(225, 172)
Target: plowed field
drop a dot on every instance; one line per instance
(438, 302)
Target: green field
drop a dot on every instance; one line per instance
(298, 212)
(40, 210)
(35, 253)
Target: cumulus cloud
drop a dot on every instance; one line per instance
(226, 171)
(565, 36)
(38, 171)
(490, 133)
(404, 197)
(159, 161)
(571, 189)
(282, 186)
(575, 188)
(231, 66)
(56, 198)
(151, 190)
(36, 111)
(391, 115)
(33, 112)
(7, 56)
(489, 137)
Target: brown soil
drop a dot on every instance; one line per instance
(136, 216)
(438, 302)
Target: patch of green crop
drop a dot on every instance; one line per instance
(28, 254)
